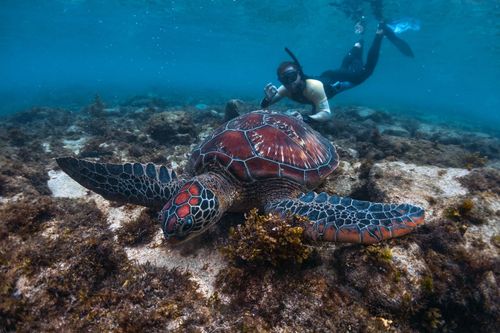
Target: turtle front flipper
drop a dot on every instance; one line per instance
(141, 184)
(339, 219)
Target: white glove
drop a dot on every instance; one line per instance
(270, 91)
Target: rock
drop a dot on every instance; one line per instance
(232, 109)
(487, 233)
(75, 145)
(175, 127)
(365, 113)
(388, 278)
(393, 130)
(427, 186)
(448, 138)
(345, 180)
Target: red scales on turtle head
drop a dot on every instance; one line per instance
(261, 145)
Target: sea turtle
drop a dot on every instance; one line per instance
(260, 159)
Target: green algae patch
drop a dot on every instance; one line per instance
(268, 239)
(380, 253)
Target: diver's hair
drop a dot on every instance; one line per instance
(286, 64)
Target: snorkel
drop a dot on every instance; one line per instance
(295, 60)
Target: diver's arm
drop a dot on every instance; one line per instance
(272, 95)
(315, 92)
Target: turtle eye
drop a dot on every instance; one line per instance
(187, 224)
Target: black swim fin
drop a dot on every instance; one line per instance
(400, 44)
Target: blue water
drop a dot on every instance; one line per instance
(61, 53)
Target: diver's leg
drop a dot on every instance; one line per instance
(371, 60)
(372, 57)
(353, 61)
(357, 73)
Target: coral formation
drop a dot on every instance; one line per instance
(172, 128)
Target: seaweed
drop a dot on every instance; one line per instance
(75, 275)
(474, 160)
(453, 299)
(140, 230)
(461, 210)
(482, 180)
(25, 216)
(268, 239)
(381, 254)
(18, 137)
(467, 211)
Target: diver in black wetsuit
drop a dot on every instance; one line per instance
(317, 90)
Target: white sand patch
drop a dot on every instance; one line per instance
(117, 216)
(204, 264)
(75, 145)
(62, 186)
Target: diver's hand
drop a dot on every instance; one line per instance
(295, 114)
(270, 91)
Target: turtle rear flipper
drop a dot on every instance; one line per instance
(141, 184)
(339, 219)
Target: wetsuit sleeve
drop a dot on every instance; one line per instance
(282, 92)
(315, 93)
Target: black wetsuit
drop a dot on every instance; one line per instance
(352, 71)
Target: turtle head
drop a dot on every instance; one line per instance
(189, 212)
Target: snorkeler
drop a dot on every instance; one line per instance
(316, 91)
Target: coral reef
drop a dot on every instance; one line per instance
(70, 261)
